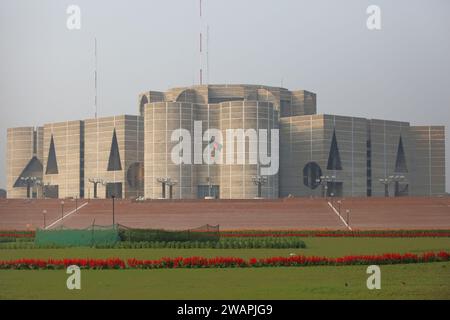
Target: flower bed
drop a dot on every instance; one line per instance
(17, 234)
(225, 262)
(32, 264)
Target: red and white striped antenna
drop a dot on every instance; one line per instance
(201, 49)
(95, 77)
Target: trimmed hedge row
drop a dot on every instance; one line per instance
(150, 235)
(230, 243)
(256, 243)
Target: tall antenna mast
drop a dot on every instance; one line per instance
(207, 54)
(95, 76)
(201, 49)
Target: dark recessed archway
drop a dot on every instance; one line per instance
(135, 175)
(311, 173)
(144, 101)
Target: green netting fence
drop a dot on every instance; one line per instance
(92, 236)
(109, 235)
(202, 233)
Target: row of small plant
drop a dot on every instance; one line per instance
(241, 243)
(225, 262)
(151, 235)
(17, 234)
(9, 240)
(226, 243)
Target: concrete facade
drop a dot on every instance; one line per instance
(148, 156)
(429, 160)
(377, 157)
(307, 140)
(385, 138)
(123, 177)
(66, 179)
(24, 160)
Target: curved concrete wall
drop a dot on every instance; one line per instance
(234, 181)
(161, 120)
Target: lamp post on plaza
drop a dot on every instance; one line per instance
(323, 181)
(171, 183)
(44, 213)
(30, 182)
(62, 210)
(386, 181)
(166, 181)
(96, 182)
(113, 210)
(259, 181)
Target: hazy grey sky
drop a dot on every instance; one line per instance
(401, 72)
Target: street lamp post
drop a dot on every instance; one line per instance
(339, 204)
(113, 210)
(96, 182)
(30, 182)
(166, 181)
(44, 213)
(62, 210)
(323, 181)
(348, 216)
(259, 181)
(386, 181)
(171, 183)
(163, 182)
(208, 180)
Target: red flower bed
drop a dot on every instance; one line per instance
(110, 263)
(225, 262)
(190, 262)
(230, 262)
(12, 234)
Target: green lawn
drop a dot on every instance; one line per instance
(415, 281)
(331, 247)
(412, 281)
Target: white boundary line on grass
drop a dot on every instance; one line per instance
(68, 214)
(340, 217)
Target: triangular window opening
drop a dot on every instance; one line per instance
(334, 159)
(400, 162)
(52, 164)
(32, 169)
(114, 155)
